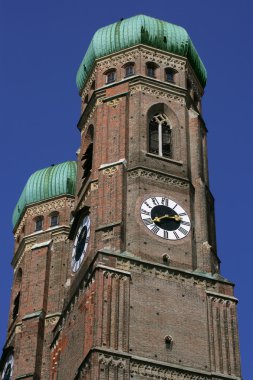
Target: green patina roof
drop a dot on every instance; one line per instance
(45, 184)
(140, 30)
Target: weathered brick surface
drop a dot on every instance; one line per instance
(110, 319)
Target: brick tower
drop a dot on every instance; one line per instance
(121, 278)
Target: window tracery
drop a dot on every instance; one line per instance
(160, 140)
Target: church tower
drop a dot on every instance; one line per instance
(126, 284)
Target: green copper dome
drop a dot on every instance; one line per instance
(140, 30)
(45, 184)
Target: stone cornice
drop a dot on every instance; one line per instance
(128, 263)
(53, 204)
(28, 242)
(147, 367)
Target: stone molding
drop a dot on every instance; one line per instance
(112, 361)
(158, 177)
(59, 234)
(129, 265)
(150, 90)
(153, 371)
(44, 208)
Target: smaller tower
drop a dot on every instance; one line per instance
(41, 222)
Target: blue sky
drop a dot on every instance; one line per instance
(42, 44)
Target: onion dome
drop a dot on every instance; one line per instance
(45, 184)
(140, 30)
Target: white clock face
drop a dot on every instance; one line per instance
(8, 368)
(81, 243)
(165, 218)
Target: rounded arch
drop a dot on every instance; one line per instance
(54, 218)
(38, 223)
(151, 68)
(171, 74)
(110, 75)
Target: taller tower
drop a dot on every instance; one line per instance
(143, 298)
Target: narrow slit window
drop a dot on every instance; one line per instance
(16, 306)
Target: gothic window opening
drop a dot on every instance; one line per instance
(110, 76)
(151, 69)
(16, 306)
(38, 223)
(54, 219)
(170, 75)
(160, 136)
(87, 161)
(129, 69)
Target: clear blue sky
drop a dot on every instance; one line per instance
(42, 44)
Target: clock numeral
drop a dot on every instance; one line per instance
(155, 201)
(175, 206)
(148, 221)
(165, 234)
(146, 203)
(176, 235)
(165, 202)
(185, 223)
(182, 214)
(145, 212)
(182, 230)
(155, 229)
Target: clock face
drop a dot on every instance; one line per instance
(165, 218)
(81, 243)
(8, 368)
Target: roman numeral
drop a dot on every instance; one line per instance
(146, 203)
(176, 235)
(155, 229)
(182, 214)
(182, 230)
(165, 201)
(145, 212)
(175, 206)
(148, 221)
(165, 234)
(155, 201)
(185, 223)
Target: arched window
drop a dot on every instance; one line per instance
(170, 74)
(110, 76)
(39, 223)
(129, 69)
(160, 135)
(54, 219)
(151, 69)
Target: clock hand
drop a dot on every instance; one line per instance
(177, 218)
